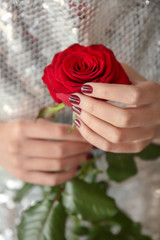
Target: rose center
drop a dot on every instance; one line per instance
(84, 65)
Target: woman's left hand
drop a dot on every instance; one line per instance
(116, 129)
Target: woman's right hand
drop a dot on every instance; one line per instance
(33, 150)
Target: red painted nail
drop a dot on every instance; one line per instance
(77, 122)
(87, 89)
(74, 99)
(76, 110)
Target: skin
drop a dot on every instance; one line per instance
(28, 155)
(116, 129)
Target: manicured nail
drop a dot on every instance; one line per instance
(89, 156)
(74, 99)
(77, 122)
(76, 110)
(86, 89)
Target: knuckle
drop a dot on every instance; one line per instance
(107, 146)
(58, 165)
(20, 175)
(90, 106)
(117, 136)
(139, 147)
(19, 129)
(70, 176)
(14, 147)
(60, 150)
(153, 132)
(61, 131)
(16, 161)
(127, 118)
(103, 92)
(136, 95)
(87, 136)
(153, 85)
(52, 181)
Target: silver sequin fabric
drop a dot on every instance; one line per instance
(31, 32)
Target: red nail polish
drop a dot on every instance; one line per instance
(74, 99)
(76, 110)
(77, 122)
(87, 89)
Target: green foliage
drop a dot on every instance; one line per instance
(120, 220)
(101, 233)
(81, 231)
(85, 199)
(152, 152)
(88, 201)
(44, 221)
(121, 166)
(129, 230)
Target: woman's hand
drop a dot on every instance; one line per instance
(116, 129)
(32, 150)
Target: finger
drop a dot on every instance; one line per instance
(50, 149)
(45, 164)
(45, 129)
(49, 179)
(139, 94)
(105, 145)
(120, 117)
(115, 134)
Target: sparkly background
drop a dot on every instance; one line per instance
(31, 33)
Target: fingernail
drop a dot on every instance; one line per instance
(86, 89)
(77, 122)
(76, 110)
(89, 156)
(74, 99)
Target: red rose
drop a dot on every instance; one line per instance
(76, 65)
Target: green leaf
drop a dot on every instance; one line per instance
(88, 201)
(103, 186)
(101, 233)
(23, 191)
(152, 152)
(129, 235)
(49, 112)
(81, 231)
(44, 221)
(121, 166)
(120, 220)
(129, 230)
